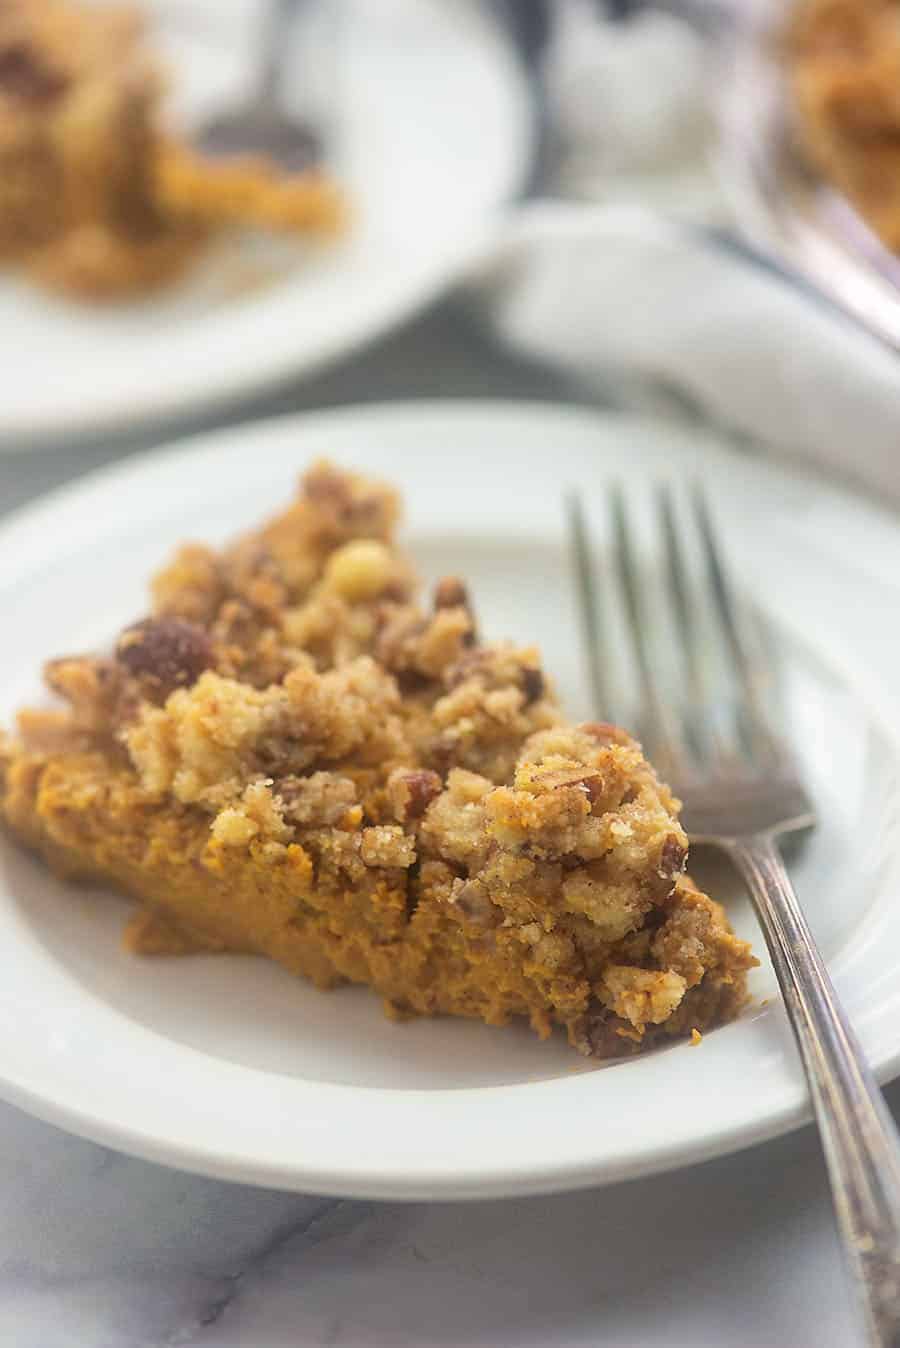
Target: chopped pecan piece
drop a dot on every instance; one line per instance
(672, 858)
(473, 662)
(170, 652)
(450, 592)
(327, 486)
(398, 631)
(533, 684)
(604, 732)
(472, 900)
(24, 76)
(411, 791)
(602, 1034)
(554, 779)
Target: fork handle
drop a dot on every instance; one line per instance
(275, 47)
(861, 1143)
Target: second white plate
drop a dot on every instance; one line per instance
(435, 137)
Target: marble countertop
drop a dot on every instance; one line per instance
(101, 1251)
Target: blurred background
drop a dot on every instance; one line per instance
(216, 211)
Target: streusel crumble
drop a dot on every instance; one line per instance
(292, 756)
(95, 199)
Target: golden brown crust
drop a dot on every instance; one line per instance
(292, 756)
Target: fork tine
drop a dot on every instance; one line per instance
(659, 728)
(588, 604)
(699, 730)
(750, 672)
(707, 728)
(680, 590)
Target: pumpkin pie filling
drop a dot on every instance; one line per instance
(294, 755)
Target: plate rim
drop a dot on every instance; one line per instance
(462, 1183)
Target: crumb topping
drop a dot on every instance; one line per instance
(314, 740)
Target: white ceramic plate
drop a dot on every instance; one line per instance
(229, 1066)
(435, 136)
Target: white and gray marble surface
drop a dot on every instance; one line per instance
(101, 1251)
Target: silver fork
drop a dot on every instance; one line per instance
(262, 124)
(742, 792)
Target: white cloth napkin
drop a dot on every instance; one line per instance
(609, 289)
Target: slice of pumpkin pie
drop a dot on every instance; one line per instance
(293, 757)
